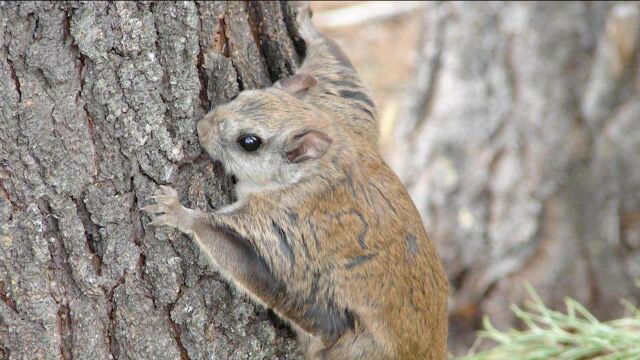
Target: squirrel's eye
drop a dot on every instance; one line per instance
(249, 142)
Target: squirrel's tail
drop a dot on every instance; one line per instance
(339, 88)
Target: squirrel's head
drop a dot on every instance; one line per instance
(271, 138)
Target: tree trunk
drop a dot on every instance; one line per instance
(520, 144)
(99, 103)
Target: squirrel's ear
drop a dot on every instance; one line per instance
(311, 144)
(297, 84)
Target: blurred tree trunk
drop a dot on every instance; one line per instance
(98, 106)
(520, 143)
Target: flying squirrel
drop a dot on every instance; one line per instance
(322, 232)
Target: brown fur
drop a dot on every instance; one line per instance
(333, 243)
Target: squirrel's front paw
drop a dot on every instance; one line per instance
(167, 209)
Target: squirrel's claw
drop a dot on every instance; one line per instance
(165, 206)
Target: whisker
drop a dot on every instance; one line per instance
(236, 164)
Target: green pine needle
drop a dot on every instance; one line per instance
(574, 335)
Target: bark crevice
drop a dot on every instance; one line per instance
(14, 76)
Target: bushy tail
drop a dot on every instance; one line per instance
(339, 88)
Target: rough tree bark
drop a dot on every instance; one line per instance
(98, 106)
(520, 143)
